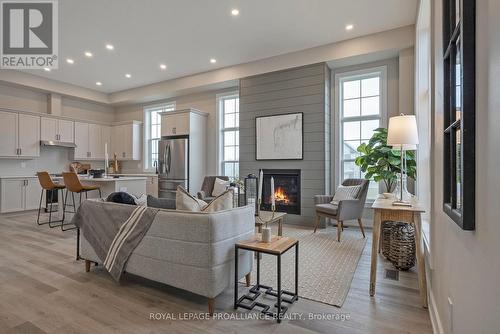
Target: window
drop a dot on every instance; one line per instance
(459, 111)
(229, 134)
(152, 133)
(361, 105)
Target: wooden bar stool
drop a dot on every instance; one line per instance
(74, 185)
(48, 185)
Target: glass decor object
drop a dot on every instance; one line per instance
(251, 190)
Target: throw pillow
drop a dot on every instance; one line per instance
(219, 187)
(121, 197)
(345, 193)
(185, 201)
(141, 200)
(222, 202)
(161, 203)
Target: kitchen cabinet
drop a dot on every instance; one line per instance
(90, 140)
(152, 185)
(8, 134)
(53, 129)
(81, 141)
(19, 135)
(29, 135)
(126, 141)
(175, 124)
(18, 194)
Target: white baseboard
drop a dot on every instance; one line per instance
(437, 325)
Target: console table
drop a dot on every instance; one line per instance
(384, 210)
(277, 247)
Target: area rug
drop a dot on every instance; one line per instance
(326, 266)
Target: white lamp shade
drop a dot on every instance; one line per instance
(402, 131)
(405, 147)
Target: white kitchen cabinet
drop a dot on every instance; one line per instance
(32, 189)
(29, 135)
(126, 141)
(175, 124)
(8, 134)
(19, 135)
(48, 129)
(19, 194)
(105, 139)
(81, 141)
(65, 130)
(57, 130)
(152, 185)
(96, 148)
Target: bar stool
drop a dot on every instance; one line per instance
(48, 185)
(74, 185)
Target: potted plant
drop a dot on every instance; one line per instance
(381, 162)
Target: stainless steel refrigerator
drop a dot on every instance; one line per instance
(173, 165)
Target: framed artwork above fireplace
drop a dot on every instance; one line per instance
(279, 137)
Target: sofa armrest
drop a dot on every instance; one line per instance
(201, 194)
(322, 199)
(350, 209)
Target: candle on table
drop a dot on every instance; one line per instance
(261, 176)
(272, 192)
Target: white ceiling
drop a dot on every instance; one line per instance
(185, 34)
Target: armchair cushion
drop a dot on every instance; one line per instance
(322, 199)
(329, 209)
(345, 192)
(219, 187)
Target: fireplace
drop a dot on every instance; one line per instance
(286, 190)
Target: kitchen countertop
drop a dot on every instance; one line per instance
(33, 176)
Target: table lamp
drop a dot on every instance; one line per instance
(402, 135)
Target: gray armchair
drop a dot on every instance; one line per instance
(345, 210)
(208, 186)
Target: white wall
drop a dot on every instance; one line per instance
(467, 264)
(206, 102)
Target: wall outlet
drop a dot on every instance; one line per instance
(23, 164)
(450, 313)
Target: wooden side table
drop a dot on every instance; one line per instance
(266, 215)
(384, 210)
(277, 247)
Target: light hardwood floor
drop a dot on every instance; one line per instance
(44, 290)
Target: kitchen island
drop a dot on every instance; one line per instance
(134, 185)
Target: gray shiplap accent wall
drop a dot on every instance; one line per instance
(304, 89)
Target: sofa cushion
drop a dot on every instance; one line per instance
(344, 193)
(219, 187)
(330, 209)
(161, 203)
(222, 202)
(187, 202)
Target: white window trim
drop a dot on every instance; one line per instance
(218, 120)
(336, 129)
(147, 130)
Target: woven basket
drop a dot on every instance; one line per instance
(386, 238)
(402, 248)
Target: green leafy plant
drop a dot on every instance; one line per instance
(382, 163)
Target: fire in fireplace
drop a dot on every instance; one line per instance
(286, 190)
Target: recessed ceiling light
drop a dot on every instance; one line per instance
(98, 83)
(213, 60)
(235, 12)
(349, 27)
(163, 66)
(128, 75)
(46, 69)
(70, 61)
(88, 54)
(110, 47)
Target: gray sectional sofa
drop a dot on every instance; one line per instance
(192, 251)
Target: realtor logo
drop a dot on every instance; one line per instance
(29, 34)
